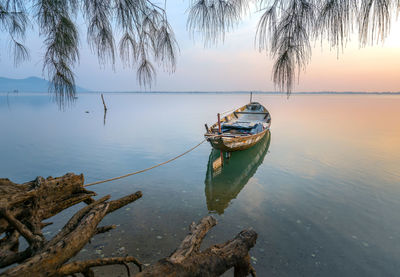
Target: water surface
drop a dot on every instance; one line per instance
(322, 191)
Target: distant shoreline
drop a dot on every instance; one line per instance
(35, 84)
(254, 92)
(215, 92)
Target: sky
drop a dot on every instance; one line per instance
(234, 65)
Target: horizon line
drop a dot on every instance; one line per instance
(255, 92)
(228, 92)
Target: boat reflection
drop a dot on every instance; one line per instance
(225, 183)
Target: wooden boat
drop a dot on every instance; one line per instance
(240, 129)
(225, 183)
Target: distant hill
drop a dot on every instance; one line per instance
(30, 84)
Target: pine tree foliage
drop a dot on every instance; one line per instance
(286, 30)
(147, 36)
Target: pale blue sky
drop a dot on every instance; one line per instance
(232, 66)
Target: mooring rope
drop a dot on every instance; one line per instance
(227, 111)
(146, 169)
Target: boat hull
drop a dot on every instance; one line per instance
(228, 144)
(225, 183)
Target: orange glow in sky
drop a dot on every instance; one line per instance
(234, 65)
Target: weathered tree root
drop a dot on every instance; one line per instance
(40, 199)
(23, 207)
(79, 267)
(188, 260)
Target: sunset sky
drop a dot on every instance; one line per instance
(234, 65)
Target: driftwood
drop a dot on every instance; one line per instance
(188, 261)
(24, 207)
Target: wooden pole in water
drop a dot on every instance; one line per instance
(219, 123)
(251, 96)
(220, 132)
(104, 103)
(105, 109)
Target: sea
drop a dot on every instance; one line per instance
(322, 189)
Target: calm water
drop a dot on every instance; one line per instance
(323, 191)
